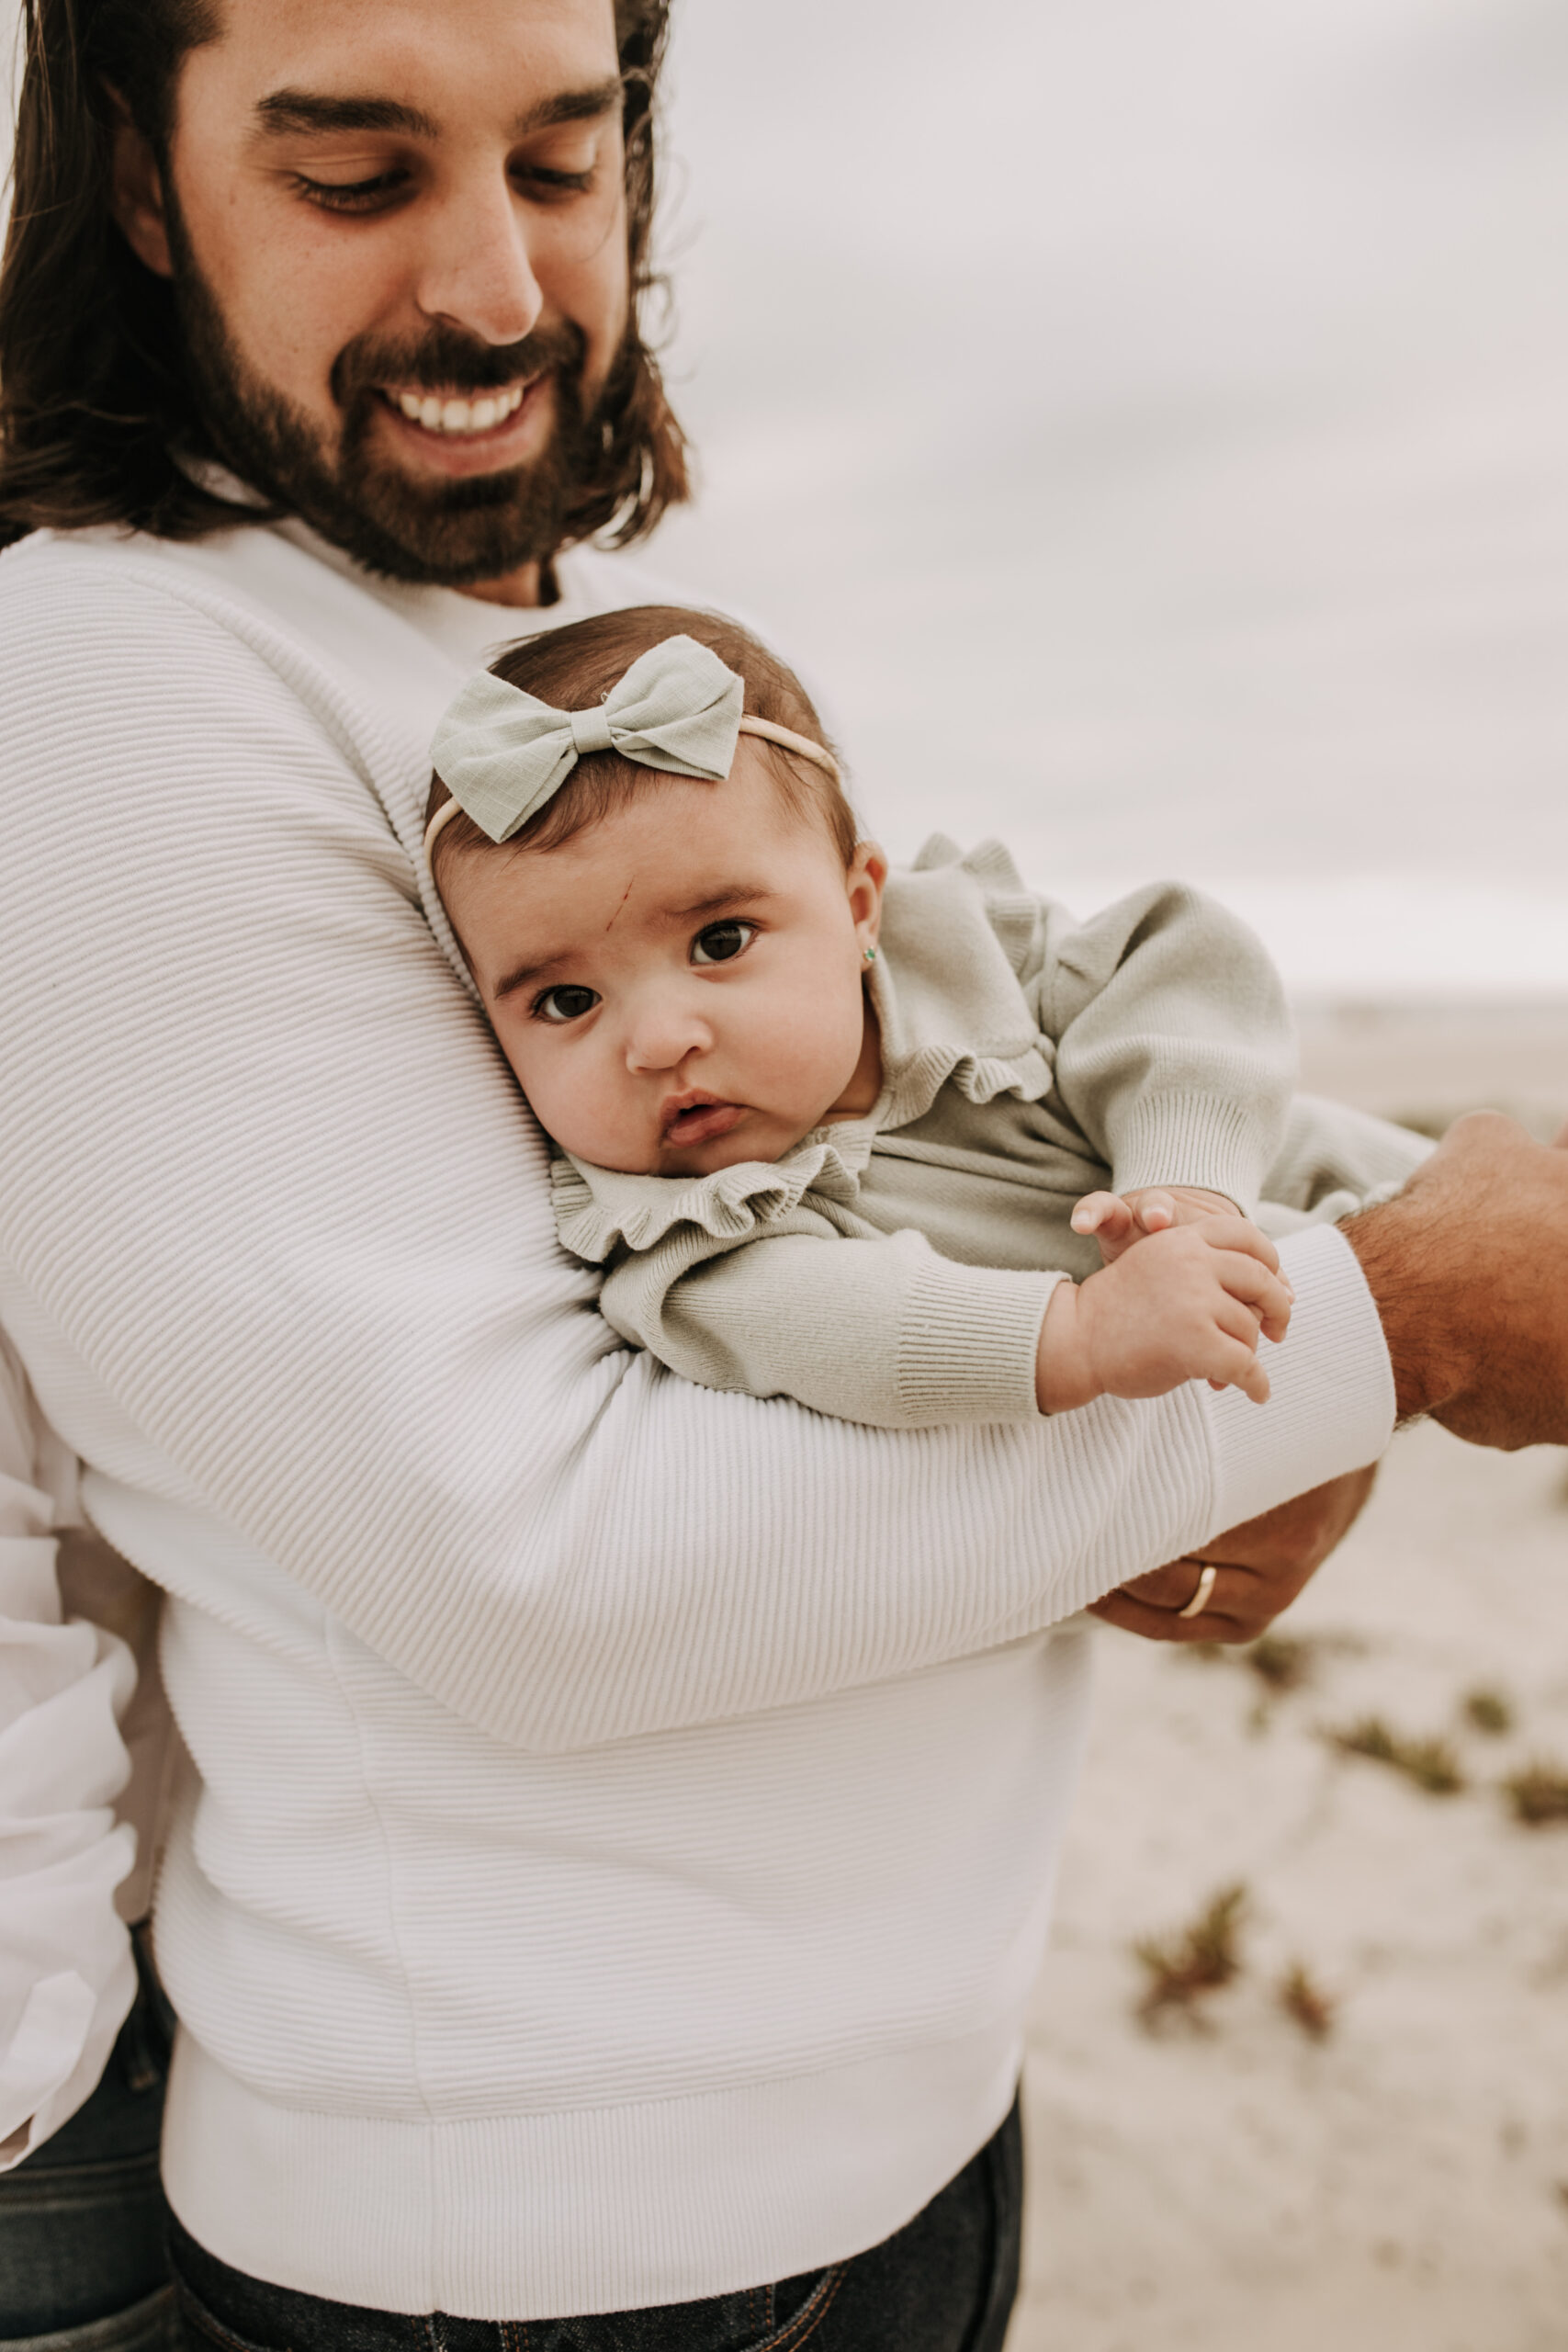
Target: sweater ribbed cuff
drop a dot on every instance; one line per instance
(969, 1342)
(1334, 1351)
(1212, 1144)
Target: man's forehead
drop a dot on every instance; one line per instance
(412, 65)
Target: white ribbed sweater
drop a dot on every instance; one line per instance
(619, 1834)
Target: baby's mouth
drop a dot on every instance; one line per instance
(697, 1118)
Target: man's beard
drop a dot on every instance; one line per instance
(449, 533)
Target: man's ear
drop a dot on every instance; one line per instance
(135, 195)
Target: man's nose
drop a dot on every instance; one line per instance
(477, 274)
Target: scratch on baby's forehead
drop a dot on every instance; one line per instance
(625, 894)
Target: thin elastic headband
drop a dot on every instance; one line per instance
(503, 755)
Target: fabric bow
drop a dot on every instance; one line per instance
(501, 753)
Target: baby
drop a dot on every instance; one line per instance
(834, 1133)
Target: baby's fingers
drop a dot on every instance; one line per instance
(1106, 1214)
(1156, 1212)
(1265, 1292)
(1239, 1233)
(1112, 1221)
(1235, 1361)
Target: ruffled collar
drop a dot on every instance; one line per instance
(957, 931)
(599, 1209)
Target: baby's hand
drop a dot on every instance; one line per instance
(1118, 1219)
(1190, 1305)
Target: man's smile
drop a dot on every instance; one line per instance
(470, 431)
(452, 413)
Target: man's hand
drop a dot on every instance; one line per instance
(1469, 1267)
(1263, 1566)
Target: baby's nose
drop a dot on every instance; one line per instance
(662, 1036)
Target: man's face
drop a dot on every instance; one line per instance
(398, 234)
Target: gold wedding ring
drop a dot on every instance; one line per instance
(1200, 1601)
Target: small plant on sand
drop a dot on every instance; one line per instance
(1488, 1710)
(1182, 1969)
(1538, 1794)
(1280, 1661)
(1304, 1999)
(1431, 1763)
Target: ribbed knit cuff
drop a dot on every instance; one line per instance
(970, 1339)
(1194, 1139)
(1332, 1405)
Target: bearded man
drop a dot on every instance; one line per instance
(612, 1833)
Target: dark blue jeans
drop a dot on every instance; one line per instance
(944, 2283)
(83, 2266)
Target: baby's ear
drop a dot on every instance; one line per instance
(864, 880)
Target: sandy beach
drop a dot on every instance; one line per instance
(1225, 2179)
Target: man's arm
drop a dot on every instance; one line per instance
(1261, 1569)
(66, 1972)
(277, 1229)
(1469, 1267)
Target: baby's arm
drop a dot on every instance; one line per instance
(1174, 1052)
(1189, 1303)
(879, 1328)
(867, 1325)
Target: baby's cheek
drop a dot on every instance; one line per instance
(815, 1055)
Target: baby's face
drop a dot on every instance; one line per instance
(678, 988)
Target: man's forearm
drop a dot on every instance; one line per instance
(1469, 1268)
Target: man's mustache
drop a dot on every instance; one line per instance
(446, 361)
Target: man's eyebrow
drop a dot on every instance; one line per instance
(293, 112)
(571, 106)
(307, 110)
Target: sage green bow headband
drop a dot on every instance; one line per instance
(502, 754)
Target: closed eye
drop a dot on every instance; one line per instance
(565, 1004)
(721, 942)
(351, 196)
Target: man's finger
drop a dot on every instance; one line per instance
(1171, 1586)
(1238, 1611)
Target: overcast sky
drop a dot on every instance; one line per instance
(1149, 416)
(1146, 418)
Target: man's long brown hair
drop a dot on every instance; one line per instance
(95, 398)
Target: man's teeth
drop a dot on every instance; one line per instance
(460, 417)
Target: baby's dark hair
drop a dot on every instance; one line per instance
(575, 667)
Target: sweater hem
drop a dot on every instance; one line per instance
(579, 2211)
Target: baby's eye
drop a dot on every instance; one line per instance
(722, 942)
(565, 1004)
